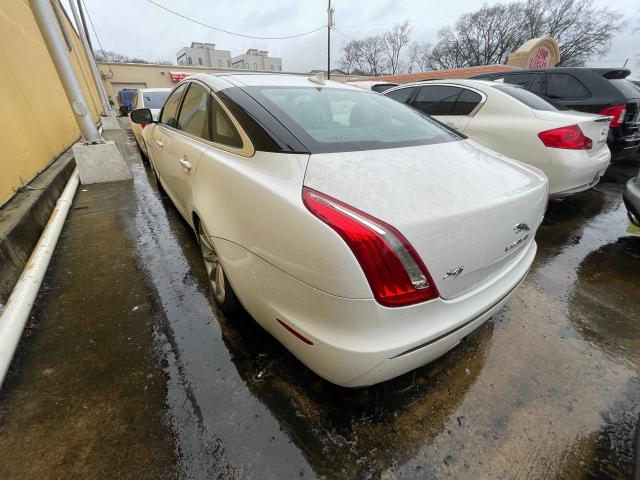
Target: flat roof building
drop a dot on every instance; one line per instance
(257, 60)
(201, 54)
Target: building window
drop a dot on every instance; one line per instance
(255, 66)
(228, 63)
(246, 66)
(219, 63)
(280, 68)
(189, 61)
(272, 67)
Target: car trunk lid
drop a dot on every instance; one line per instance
(596, 127)
(461, 206)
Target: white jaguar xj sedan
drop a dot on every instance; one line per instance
(366, 237)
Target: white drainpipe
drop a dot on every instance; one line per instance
(18, 307)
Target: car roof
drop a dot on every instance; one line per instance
(226, 80)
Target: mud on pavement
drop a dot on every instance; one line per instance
(128, 370)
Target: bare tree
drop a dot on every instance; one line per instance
(419, 57)
(395, 41)
(490, 34)
(115, 57)
(350, 61)
(366, 56)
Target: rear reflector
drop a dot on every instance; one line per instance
(617, 112)
(393, 268)
(291, 330)
(570, 138)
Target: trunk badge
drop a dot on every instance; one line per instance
(521, 227)
(453, 273)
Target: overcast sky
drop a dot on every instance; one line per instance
(138, 28)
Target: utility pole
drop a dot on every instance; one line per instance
(59, 54)
(84, 38)
(330, 23)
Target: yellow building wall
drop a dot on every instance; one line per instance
(36, 121)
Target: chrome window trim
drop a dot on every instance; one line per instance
(247, 149)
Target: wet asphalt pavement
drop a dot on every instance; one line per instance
(128, 370)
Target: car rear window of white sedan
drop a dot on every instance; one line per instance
(333, 120)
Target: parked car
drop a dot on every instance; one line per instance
(569, 147)
(363, 235)
(594, 90)
(125, 98)
(153, 99)
(373, 85)
(631, 198)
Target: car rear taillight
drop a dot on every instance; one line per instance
(570, 138)
(617, 112)
(392, 267)
(142, 125)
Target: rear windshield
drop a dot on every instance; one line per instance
(530, 99)
(628, 89)
(336, 120)
(154, 99)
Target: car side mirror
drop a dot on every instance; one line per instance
(141, 115)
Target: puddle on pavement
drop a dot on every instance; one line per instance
(548, 388)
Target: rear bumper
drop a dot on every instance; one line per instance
(357, 342)
(623, 145)
(631, 197)
(574, 171)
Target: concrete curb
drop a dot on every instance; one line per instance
(24, 217)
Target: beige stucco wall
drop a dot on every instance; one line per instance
(139, 75)
(36, 122)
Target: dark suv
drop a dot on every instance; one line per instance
(593, 90)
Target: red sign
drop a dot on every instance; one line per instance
(541, 58)
(177, 76)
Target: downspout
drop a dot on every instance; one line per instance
(83, 34)
(18, 307)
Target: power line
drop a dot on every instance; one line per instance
(343, 34)
(233, 33)
(104, 52)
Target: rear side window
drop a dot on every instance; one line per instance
(224, 132)
(436, 99)
(401, 95)
(194, 116)
(562, 85)
(520, 79)
(169, 115)
(530, 99)
(382, 87)
(466, 102)
(628, 89)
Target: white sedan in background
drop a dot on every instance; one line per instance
(364, 236)
(153, 99)
(569, 147)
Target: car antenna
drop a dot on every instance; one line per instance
(317, 78)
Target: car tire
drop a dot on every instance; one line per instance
(223, 293)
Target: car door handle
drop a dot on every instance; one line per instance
(185, 163)
(159, 144)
